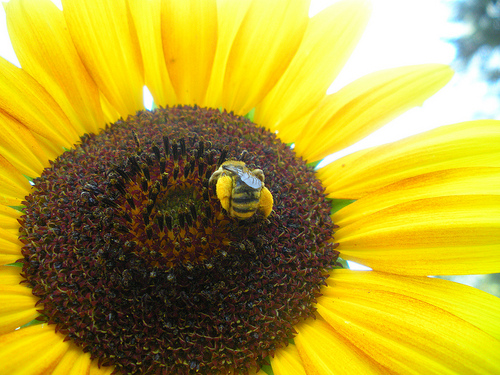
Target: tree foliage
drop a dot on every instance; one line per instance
(483, 39)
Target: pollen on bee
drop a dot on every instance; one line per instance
(223, 190)
(240, 190)
(266, 202)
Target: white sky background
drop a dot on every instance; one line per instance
(406, 32)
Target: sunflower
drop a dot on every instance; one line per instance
(192, 238)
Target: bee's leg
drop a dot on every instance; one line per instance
(215, 176)
(243, 155)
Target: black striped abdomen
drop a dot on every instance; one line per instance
(244, 200)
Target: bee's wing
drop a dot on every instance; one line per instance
(245, 176)
(251, 180)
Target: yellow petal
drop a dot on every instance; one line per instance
(470, 304)
(17, 303)
(10, 247)
(450, 235)
(328, 42)
(95, 370)
(76, 362)
(10, 276)
(8, 219)
(20, 147)
(51, 149)
(39, 350)
(189, 33)
(104, 35)
(469, 144)
(286, 361)
(13, 186)
(45, 50)
(459, 181)
(325, 351)
(404, 333)
(33, 350)
(268, 38)
(230, 13)
(365, 105)
(17, 306)
(110, 112)
(27, 102)
(147, 19)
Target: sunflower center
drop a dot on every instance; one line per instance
(132, 255)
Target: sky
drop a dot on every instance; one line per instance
(407, 32)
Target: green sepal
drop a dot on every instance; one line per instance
(250, 115)
(338, 204)
(343, 264)
(18, 208)
(313, 164)
(267, 369)
(34, 322)
(15, 264)
(30, 179)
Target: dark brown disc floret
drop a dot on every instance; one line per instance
(131, 255)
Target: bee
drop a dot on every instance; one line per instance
(241, 191)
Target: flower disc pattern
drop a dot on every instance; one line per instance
(131, 255)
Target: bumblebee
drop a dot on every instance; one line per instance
(241, 191)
